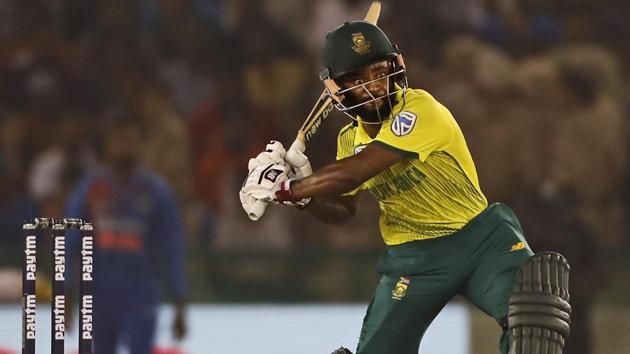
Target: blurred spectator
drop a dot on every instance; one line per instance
(211, 161)
(166, 146)
(57, 168)
(139, 244)
(590, 139)
(534, 115)
(521, 27)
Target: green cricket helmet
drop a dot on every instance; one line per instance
(352, 46)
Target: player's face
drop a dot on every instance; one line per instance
(368, 91)
(368, 84)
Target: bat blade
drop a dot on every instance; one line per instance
(320, 111)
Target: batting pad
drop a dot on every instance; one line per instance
(539, 315)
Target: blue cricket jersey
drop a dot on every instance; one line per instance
(139, 236)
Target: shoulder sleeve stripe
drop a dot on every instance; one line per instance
(403, 153)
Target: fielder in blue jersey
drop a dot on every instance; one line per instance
(139, 245)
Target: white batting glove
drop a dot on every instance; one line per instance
(274, 153)
(263, 181)
(255, 196)
(260, 187)
(298, 161)
(300, 166)
(253, 207)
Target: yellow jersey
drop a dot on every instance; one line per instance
(432, 192)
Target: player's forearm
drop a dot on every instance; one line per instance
(330, 181)
(330, 211)
(345, 175)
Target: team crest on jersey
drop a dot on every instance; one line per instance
(361, 46)
(358, 149)
(403, 123)
(400, 290)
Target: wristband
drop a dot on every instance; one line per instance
(284, 193)
(285, 196)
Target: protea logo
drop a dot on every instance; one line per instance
(361, 46)
(403, 123)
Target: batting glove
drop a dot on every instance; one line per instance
(260, 188)
(300, 168)
(254, 208)
(274, 153)
(263, 181)
(298, 161)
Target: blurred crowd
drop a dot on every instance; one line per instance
(539, 88)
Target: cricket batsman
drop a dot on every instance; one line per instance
(441, 237)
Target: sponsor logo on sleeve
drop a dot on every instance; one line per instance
(403, 123)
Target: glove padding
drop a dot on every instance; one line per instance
(298, 161)
(301, 168)
(267, 171)
(253, 207)
(274, 153)
(260, 188)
